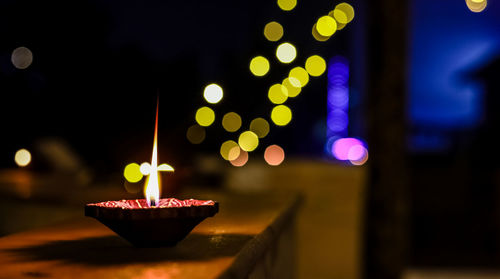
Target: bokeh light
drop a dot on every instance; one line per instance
(278, 94)
(292, 86)
(259, 66)
(22, 57)
(286, 53)
(231, 122)
(22, 157)
(362, 160)
(476, 6)
(273, 31)
(165, 167)
(260, 127)
(299, 74)
(348, 149)
(196, 134)
(326, 26)
(339, 16)
(234, 153)
(213, 93)
(347, 9)
(241, 160)
(225, 149)
(274, 155)
(132, 173)
(317, 36)
(205, 116)
(287, 5)
(145, 168)
(315, 65)
(281, 115)
(248, 141)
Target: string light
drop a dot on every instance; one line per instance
(286, 53)
(273, 31)
(248, 141)
(213, 93)
(22, 157)
(260, 127)
(231, 122)
(281, 115)
(277, 94)
(205, 116)
(259, 66)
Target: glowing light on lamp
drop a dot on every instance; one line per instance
(274, 155)
(22, 157)
(326, 26)
(299, 74)
(241, 160)
(132, 173)
(22, 58)
(315, 65)
(292, 86)
(476, 6)
(248, 141)
(260, 127)
(213, 93)
(231, 122)
(286, 53)
(281, 115)
(278, 94)
(205, 116)
(287, 5)
(273, 31)
(196, 134)
(226, 148)
(259, 66)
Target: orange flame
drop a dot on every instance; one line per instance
(152, 190)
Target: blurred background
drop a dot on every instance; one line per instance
(382, 114)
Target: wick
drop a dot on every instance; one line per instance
(153, 203)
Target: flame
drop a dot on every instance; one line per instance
(152, 191)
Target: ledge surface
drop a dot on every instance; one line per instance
(225, 246)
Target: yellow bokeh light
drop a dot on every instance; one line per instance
(22, 157)
(132, 173)
(293, 86)
(259, 66)
(315, 65)
(476, 6)
(277, 94)
(326, 26)
(286, 53)
(145, 168)
(241, 160)
(165, 167)
(281, 115)
(273, 31)
(213, 93)
(260, 127)
(248, 141)
(196, 134)
(205, 116)
(226, 148)
(340, 16)
(287, 5)
(231, 122)
(298, 74)
(347, 9)
(317, 36)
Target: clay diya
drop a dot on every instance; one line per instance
(152, 222)
(165, 224)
